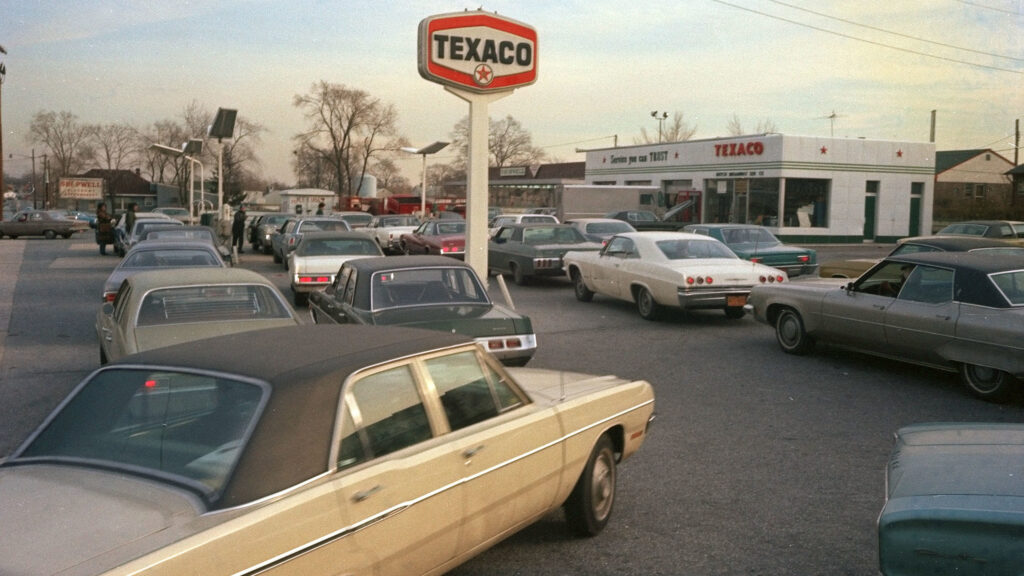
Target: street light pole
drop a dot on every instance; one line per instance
(660, 119)
(3, 188)
(425, 151)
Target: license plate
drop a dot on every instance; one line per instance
(735, 300)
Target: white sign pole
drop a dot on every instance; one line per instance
(477, 181)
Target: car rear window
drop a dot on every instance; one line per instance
(1011, 284)
(169, 259)
(188, 425)
(183, 305)
(337, 246)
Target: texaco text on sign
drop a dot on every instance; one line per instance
(477, 51)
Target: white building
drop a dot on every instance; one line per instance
(806, 189)
(302, 200)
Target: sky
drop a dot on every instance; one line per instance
(872, 69)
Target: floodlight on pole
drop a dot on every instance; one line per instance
(223, 127)
(425, 151)
(192, 146)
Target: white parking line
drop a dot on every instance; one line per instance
(11, 256)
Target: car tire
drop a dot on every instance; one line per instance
(734, 312)
(583, 294)
(277, 259)
(66, 235)
(589, 506)
(49, 234)
(299, 298)
(986, 383)
(517, 275)
(646, 305)
(791, 334)
(103, 357)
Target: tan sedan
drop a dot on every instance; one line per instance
(312, 450)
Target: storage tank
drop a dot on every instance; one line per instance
(367, 188)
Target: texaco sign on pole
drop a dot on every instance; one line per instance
(479, 57)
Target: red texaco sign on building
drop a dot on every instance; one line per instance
(477, 51)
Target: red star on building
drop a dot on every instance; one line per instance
(824, 150)
(899, 153)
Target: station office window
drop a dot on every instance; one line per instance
(807, 203)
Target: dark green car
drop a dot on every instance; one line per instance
(432, 292)
(758, 244)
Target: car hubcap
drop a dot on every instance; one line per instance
(603, 486)
(984, 379)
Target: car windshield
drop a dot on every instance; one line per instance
(189, 304)
(168, 258)
(552, 235)
(274, 221)
(399, 221)
(142, 226)
(427, 286)
(748, 236)
(336, 246)
(178, 234)
(964, 230)
(451, 227)
(324, 225)
(1011, 284)
(688, 249)
(616, 227)
(361, 218)
(161, 423)
(173, 211)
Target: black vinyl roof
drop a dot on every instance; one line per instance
(305, 367)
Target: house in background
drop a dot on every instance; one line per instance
(972, 184)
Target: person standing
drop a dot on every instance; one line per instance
(238, 229)
(320, 209)
(104, 227)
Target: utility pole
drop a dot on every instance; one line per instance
(3, 188)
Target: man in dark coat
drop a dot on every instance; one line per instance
(238, 229)
(104, 227)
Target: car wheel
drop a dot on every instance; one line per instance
(583, 294)
(49, 234)
(987, 383)
(590, 504)
(734, 312)
(646, 305)
(790, 332)
(66, 235)
(277, 258)
(299, 298)
(517, 275)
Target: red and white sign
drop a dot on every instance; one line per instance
(477, 51)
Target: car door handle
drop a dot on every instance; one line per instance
(364, 494)
(878, 306)
(470, 452)
(942, 317)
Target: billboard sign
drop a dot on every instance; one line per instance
(477, 51)
(81, 188)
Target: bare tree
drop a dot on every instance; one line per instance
(239, 158)
(65, 138)
(389, 176)
(312, 169)
(114, 146)
(162, 167)
(508, 144)
(346, 128)
(676, 130)
(735, 128)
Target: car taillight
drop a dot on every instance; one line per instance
(698, 280)
(772, 279)
(314, 279)
(803, 258)
(757, 260)
(109, 296)
(514, 342)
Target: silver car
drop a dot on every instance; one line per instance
(956, 311)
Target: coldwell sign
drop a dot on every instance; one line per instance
(477, 51)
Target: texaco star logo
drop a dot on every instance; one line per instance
(483, 75)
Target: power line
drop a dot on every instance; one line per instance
(872, 42)
(901, 35)
(993, 8)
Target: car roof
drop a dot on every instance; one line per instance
(151, 279)
(986, 263)
(341, 234)
(720, 226)
(655, 236)
(172, 244)
(377, 264)
(305, 367)
(957, 243)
